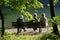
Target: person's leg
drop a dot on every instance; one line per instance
(17, 30)
(34, 28)
(20, 29)
(23, 28)
(40, 30)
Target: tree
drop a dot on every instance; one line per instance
(20, 6)
(2, 19)
(54, 24)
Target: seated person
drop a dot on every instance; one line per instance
(35, 20)
(43, 21)
(19, 23)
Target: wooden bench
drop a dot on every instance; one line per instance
(28, 25)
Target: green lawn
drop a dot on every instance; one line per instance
(42, 36)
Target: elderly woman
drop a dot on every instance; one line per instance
(43, 22)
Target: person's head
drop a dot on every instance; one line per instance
(43, 15)
(21, 17)
(35, 14)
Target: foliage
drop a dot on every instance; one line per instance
(55, 1)
(28, 15)
(52, 36)
(57, 18)
(8, 32)
(22, 5)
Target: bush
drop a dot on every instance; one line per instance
(50, 36)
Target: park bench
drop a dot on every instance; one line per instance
(28, 25)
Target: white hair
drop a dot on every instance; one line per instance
(43, 14)
(35, 14)
(21, 16)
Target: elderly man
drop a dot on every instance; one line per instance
(36, 20)
(35, 17)
(19, 24)
(43, 22)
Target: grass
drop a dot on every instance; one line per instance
(10, 36)
(42, 36)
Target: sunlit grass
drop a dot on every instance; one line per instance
(42, 36)
(11, 36)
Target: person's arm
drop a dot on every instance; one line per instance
(46, 21)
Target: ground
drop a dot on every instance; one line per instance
(28, 31)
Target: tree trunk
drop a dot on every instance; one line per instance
(2, 19)
(54, 24)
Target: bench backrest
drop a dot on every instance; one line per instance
(27, 24)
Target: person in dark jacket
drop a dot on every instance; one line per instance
(35, 20)
(20, 24)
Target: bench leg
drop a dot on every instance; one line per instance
(40, 30)
(24, 29)
(17, 30)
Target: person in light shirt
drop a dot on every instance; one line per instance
(43, 22)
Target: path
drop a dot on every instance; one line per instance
(28, 30)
